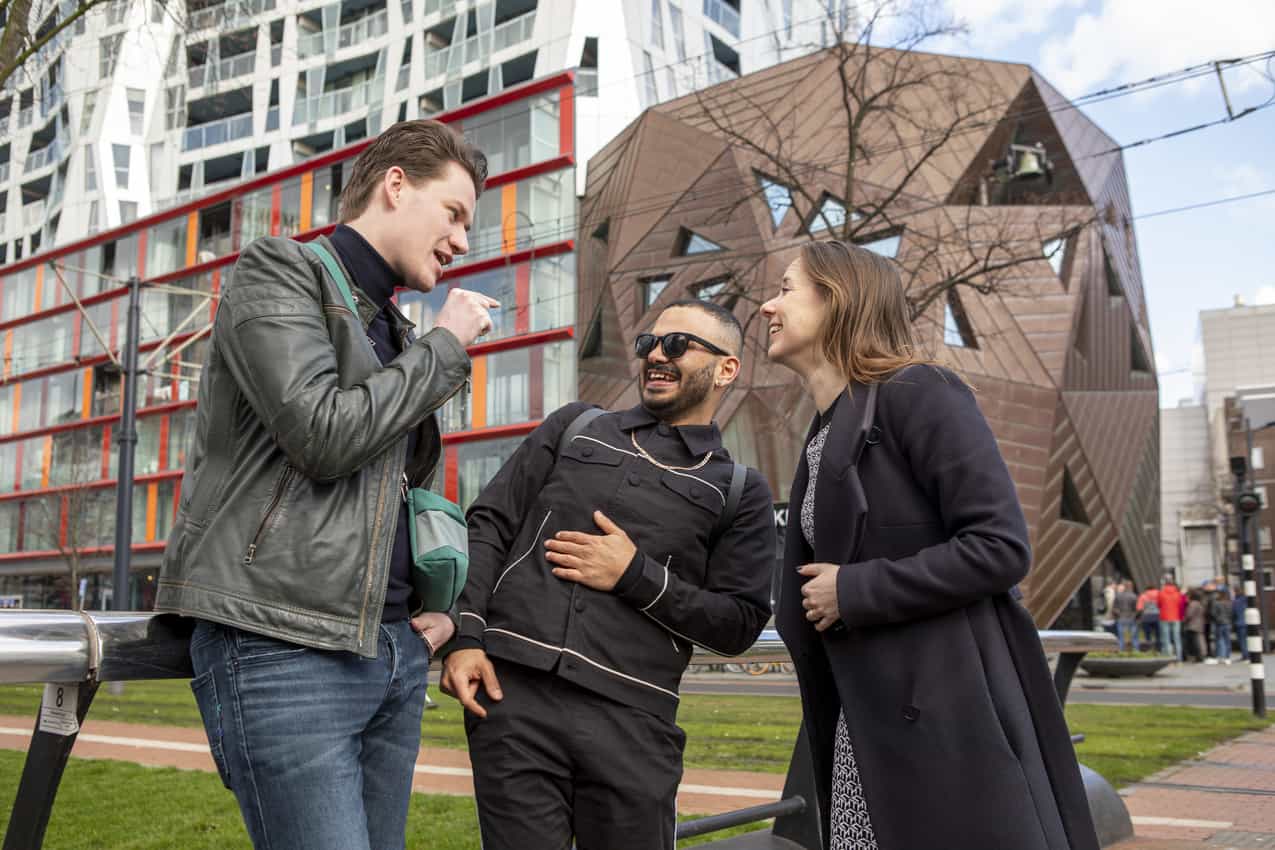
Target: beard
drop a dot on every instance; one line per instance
(692, 389)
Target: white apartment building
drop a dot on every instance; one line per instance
(144, 104)
(1192, 535)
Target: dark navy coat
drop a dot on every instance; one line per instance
(956, 727)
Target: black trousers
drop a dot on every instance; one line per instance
(553, 761)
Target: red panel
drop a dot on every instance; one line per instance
(496, 432)
(100, 297)
(191, 271)
(554, 249)
(507, 96)
(547, 167)
(93, 551)
(63, 511)
(106, 451)
(156, 410)
(537, 338)
(276, 204)
(95, 485)
(112, 338)
(566, 120)
(141, 253)
(536, 383)
(87, 361)
(163, 443)
(77, 331)
(451, 473)
(522, 298)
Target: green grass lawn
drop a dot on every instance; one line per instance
(105, 804)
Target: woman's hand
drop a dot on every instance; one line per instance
(819, 595)
(434, 628)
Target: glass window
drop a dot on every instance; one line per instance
(1055, 250)
(290, 208)
(778, 198)
(831, 214)
(8, 467)
(65, 397)
(478, 463)
(181, 433)
(128, 212)
(10, 518)
(90, 169)
(522, 385)
(76, 457)
(33, 460)
(650, 91)
(679, 37)
(136, 110)
(122, 155)
(29, 417)
(108, 54)
(146, 461)
(19, 293)
(253, 212)
(657, 25)
(41, 524)
(166, 247)
(518, 134)
(886, 246)
(327, 188)
(6, 409)
(164, 507)
(651, 289)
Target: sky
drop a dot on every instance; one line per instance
(1191, 261)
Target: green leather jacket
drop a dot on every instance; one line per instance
(290, 501)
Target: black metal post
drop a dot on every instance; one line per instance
(1246, 507)
(1258, 572)
(128, 445)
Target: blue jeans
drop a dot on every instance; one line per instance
(1222, 640)
(1127, 633)
(319, 747)
(1150, 627)
(1171, 638)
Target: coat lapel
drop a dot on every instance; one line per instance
(840, 506)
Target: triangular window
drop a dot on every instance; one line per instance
(1137, 357)
(957, 330)
(1113, 281)
(1055, 251)
(1081, 343)
(603, 231)
(651, 289)
(689, 242)
(710, 290)
(886, 246)
(1071, 508)
(831, 214)
(778, 198)
(591, 344)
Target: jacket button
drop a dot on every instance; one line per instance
(579, 605)
(634, 479)
(911, 713)
(587, 451)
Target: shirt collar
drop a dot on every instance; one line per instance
(698, 439)
(371, 273)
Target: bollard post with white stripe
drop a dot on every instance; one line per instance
(1247, 505)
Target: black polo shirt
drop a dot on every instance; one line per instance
(683, 587)
(378, 281)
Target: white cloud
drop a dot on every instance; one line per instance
(995, 22)
(1243, 179)
(1265, 295)
(1125, 40)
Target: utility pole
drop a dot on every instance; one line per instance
(128, 446)
(1247, 504)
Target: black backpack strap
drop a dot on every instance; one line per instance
(869, 433)
(577, 426)
(733, 494)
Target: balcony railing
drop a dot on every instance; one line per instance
(34, 214)
(337, 102)
(25, 115)
(216, 132)
(226, 69)
(46, 155)
(51, 99)
(508, 34)
(723, 14)
(227, 14)
(355, 32)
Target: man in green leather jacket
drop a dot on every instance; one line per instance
(289, 546)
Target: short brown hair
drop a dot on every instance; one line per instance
(866, 333)
(422, 148)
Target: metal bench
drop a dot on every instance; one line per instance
(73, 652)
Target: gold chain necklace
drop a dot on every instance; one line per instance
(643, 452)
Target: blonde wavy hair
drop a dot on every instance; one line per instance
(866, 332)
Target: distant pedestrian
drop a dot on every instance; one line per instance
(1194, 625)
(1126, 606)
(1239, 604)
(1149, 618)
(1170, 618)
(1220, 616)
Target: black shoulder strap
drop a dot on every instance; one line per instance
(733, 494)
(869, 434)
(576, 427)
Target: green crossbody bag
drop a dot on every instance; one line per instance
(439, 539)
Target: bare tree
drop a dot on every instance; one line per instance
(863, 164)
(30, 25)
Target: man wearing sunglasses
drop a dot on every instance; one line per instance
(599, 554)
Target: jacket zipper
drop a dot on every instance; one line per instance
(280, 489)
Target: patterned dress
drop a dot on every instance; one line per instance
(850, 825)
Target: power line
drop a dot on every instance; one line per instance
(1201, 205)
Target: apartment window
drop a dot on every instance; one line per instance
(407, 11)
(1261, 495)
(1264, 537)
(1258, 460)
(788, 19)
(128, 212)
(887, 245)
(116, 12)
(1113, 280)
(86, 111)
(679, 36)
(1071, 507)
(709, 290)
(1138, 361)
(689, 242)
(109, 48)
(1055, 250)
(157, 11)
(136, 111)
(174, 55)
(957, 330)
(90, 169)
(122, 155)
(778, 198)
(650, 94)
(93, 223)
(657, 25)
(831, 215)
(175, 107)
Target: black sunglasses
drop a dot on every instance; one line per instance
(674, 344)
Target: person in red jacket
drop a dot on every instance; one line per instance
(1172, 607)
(1149, 617)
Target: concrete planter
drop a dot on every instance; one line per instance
(1114, 667)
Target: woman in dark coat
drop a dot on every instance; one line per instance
(929, 707)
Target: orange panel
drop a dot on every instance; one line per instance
(307, 199)
(478, 403)
(192, 238)
(17, 393)
(509, 218)
(152, 506)
(39, 286)
(8, 355)
(46, 461)
(87, 401)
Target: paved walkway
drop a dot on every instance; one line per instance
(1225, 798)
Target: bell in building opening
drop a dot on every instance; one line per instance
(1027, 163)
